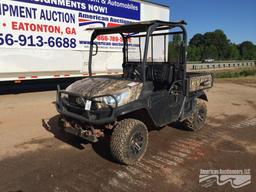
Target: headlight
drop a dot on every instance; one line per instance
(79, 101)
(120, 98)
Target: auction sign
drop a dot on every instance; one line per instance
(62, 24)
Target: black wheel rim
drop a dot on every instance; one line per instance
(136, 143)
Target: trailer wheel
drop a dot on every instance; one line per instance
(129, 141)
(196, 121)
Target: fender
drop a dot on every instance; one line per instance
(203, 96)
(199, 94)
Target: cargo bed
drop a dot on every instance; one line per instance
(199, 81)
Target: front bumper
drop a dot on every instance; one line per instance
(92, 117)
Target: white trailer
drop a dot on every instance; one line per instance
(45, 39)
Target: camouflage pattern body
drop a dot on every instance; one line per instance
(97, 86)
(200, 82)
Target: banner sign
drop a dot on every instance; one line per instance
(62, 24)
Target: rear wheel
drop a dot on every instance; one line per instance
(129, 141)
(196, 121)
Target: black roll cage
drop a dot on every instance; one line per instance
(148, 27)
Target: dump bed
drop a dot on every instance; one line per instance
(199, 81)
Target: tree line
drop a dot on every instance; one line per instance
(213, 45)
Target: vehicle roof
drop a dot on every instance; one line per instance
(137, 27)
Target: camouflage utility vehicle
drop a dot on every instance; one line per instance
(154, 89)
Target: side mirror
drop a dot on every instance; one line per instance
(95, 49)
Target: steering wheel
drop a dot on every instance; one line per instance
(176, 87)
(133, 71)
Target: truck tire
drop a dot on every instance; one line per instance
(196, 121)
(129, 141)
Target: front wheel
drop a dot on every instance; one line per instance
(129, 141)
(196, 121)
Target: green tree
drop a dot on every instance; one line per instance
(211, 51)
(213, 45)
(197, 40)
(247, 50)
(194, 53)
(222, 43)
(177, 39)
(217, 46)
(195, 47)
(174, 48)
(216, 41)
(233, 52)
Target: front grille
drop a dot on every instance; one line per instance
(96, 113)
(73, 101)
(78, 102)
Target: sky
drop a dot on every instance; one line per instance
(237, 18)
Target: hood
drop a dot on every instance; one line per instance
(96, 86)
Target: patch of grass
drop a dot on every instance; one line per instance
(236, 74)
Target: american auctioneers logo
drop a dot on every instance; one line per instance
(236, 178)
